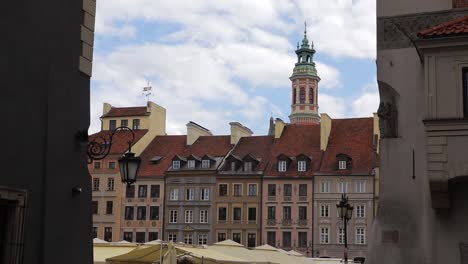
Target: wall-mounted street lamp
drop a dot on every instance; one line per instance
(345, 211)
(100, 147)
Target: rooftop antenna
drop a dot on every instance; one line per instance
(147, 91)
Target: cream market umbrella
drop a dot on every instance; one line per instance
(99, 241)
(171, 256)
(154, 242)
(234, 249)
(295, 253)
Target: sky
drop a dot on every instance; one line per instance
(218, 61)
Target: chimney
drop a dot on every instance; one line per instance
(106, 108)
(279, 127)
(238, 131)
(194, 131)
(325, 128)
(148, 106)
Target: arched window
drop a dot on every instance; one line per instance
(311, 95)
(299, 59)
(308, 58)
(302, 95)
(294, 95)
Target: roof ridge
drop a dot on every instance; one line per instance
(432, 30)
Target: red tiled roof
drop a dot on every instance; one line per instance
(126, 111)
(120, 139)
(296, 139)
(215, 146)
(257, 146)
(353, 137)
(448, 29)
(165, 147)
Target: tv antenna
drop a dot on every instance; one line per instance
(147, 91)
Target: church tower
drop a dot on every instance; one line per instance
(304, 108)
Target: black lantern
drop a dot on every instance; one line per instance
(100, 147)
(345, 211)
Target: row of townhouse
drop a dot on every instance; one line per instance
(279, 189)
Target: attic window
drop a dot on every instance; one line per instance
(342, 164)
(301, 165)
(282, 166)
(156, 159)
(343, 161)
(191, 164)
(176, 164)
(206, 164)
(233, 166)
(248, 166)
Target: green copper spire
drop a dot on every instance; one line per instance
(305, 53)
(305, 41)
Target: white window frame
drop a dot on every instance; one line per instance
(110, 184)
(341, 236)
(361, 186)
(173, 216)
(325, 186)
(248, 166)
(188, 238)
(256, 189)
(205, 194)
(172, 237)
(233, 213)
(360, 211)
(301, 165)
(188, 216)
(324, 235)
(203, 216)
(202, 239)
(227, 189)
(191, 164)
(282, 164)
(206, 164)
(176, 164)
(234, 189)
(342, 164)
(360, 235)
(343, 187)
(191, 194)
(174, 195)
(233, 166)
(324, 210)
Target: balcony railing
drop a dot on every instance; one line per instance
(302, 198)
(287, 222)
(271, 222)
(287, 198)
(271, 198)
(302, 222)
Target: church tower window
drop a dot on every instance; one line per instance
(311, 95)
(302, 96)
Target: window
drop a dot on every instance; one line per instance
(342, 164)
(174, 194)
(130, 191)
(248, 166)
(128, 236)
(360, 186)
(324, 210)
(252, 214)
(223, 189)
(282, 166)
(237, 189)
(97, 164)
(141, 213)
(94, 207)
(110, 184)
(124, 122)
(236, 237)
(302, 95)
(206, 164)
(341, 235)
(155, 191)
(191, 164)
(154, 212)
(286, 239)
(301, 165)
(302, 212)
(109, 207)
(95, 184)
(173, 216)
(112, 124)
(205, 194)
(286, 212)
(343, 187)
(136, 124)
(233, 166)
(302, 189)
(324, 235)
(251, 240)
(128, 212)
(222, 213)
(95, 231)
(142, 191)
(111, 164)
(252, 189)
(271, 189)
(202, 239)
(190, 194)
(311, 95)
(360, 235)
(325, 186)
(203, 216)
(294, 94)
(140, 237)
(172, 237)
(221, 237)
(176, 164)
(271, 213)
(188, 216)
(153, 236)
(361, 211)
(237, 215)
(465, 91)
(302, 236)
(108, 234)
(271, 238)
(287, 190)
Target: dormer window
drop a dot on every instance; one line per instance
(206, 164)
(233, 166)
(301, 165)
(282, 164)
(176, 164)
(343, 161)
(248, 166)
(342, 164)
(191, 164)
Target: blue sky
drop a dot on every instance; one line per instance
(216, 61)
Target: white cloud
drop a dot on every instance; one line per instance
(368, 102)
(335, 107)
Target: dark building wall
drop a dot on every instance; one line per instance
(44, 103)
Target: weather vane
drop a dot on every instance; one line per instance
(147, 91)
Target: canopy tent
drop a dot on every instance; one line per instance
(273, 255)
(154, 242)
(141, 254)
(294, 253)
(99, 241)
(105, 251)
(121, 242)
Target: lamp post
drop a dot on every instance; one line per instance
(345, 211)
(100, 147)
